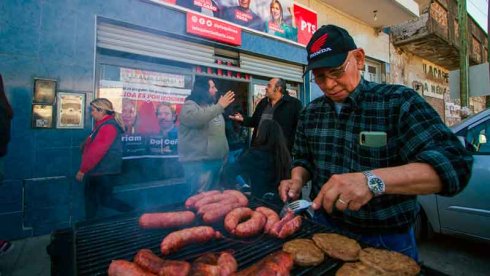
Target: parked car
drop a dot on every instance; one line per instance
(468, 213)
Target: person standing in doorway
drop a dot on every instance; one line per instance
(202, 140)
(102, 159)
(277, 105)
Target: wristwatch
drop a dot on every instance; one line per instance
(375, 183)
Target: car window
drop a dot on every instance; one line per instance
(479, 137)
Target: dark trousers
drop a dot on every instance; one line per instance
(98, 191)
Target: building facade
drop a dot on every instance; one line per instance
(56, 56)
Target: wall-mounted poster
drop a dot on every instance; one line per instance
(149, 103)
(42, 116)
(71, 108)
(279, 18)
(44, 91)
(258, 94)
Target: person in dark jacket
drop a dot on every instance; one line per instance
(102, 159)
(6, 115)
(265, 164)
(278, 106)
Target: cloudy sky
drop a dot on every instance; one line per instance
(478, 9)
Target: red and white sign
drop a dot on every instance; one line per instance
(211, 28)
(306, 22)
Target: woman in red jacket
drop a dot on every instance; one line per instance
(102, 159)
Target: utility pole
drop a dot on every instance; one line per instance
(463, 53)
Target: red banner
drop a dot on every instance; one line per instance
(208, 27)
(306, 22)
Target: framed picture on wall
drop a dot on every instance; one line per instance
(70, 110)
(44, 91)
(42, 116)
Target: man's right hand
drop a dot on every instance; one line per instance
(226, 99)
(236, 117)
(290, 189)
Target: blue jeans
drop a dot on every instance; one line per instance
(202, 176)
(399, 242)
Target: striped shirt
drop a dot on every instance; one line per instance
(328, 143)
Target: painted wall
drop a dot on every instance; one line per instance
(430, 81)
(56, 39)
(375, 44)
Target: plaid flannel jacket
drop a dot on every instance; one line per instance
(327, 143)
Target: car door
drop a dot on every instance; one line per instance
(468, 213)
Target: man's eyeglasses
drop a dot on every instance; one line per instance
(331, 74)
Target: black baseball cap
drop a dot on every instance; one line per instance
(328, 47)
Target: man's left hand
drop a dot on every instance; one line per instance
(344, 191)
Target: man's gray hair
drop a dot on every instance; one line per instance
(282, 84)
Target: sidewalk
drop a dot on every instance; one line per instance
(29, 257)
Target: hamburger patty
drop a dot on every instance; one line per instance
(357, 269)
(390, 262)
(338, 246)
(304, 252)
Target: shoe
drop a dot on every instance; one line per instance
(5, 247)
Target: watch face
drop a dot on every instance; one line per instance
(376, 185)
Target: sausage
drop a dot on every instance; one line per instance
(219, 264)
(202, 269)
(276, 228)
(206, 264)
(216, 205)
(125, 268)
(175, 268)
(233, 218)
(239, 195)
(166, 220)
(227, 264)
(216, 215)
(277, 263)
(251, 227)
(178, 239)
(189, 203)
(216, 198)
(151, 262)
(253, 222)
(290, 227)
(271, 215)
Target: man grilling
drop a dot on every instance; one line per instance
(369, 149)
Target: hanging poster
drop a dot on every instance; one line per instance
(149, 103)
(70, 110)
(279, 18)
(44, 91)
(42, 116)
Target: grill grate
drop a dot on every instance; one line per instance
(97, 244)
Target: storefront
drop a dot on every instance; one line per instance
(144, 57)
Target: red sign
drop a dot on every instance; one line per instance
(306, 22)
(211, 28)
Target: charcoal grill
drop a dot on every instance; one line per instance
(89, 248)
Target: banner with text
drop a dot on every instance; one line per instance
(281, 18)
(149, 103)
